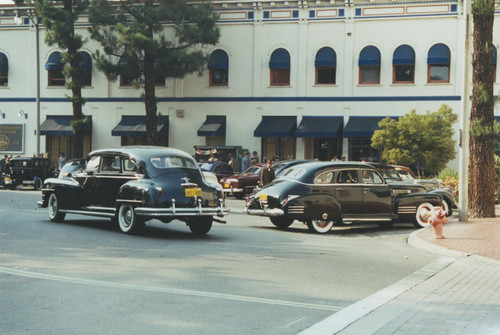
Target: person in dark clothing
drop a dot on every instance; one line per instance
(3, 161)
(267, 174)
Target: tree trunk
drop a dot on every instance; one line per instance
(482, 163)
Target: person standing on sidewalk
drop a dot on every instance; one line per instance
(245, 162)
(267, 174)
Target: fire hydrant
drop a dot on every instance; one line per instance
(437, 218)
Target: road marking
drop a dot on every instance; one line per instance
(29, 274)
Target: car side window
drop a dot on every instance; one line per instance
(129, 166)
(371, 177)
(347, 176)
(324, 178)
(110, 164)
(93, 164)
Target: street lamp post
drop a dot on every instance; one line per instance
(463, 189)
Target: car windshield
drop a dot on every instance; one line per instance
(389, 174)
(19, 163)
(405, 175)
(70, 167)
(173, 161)
(292, 173)
(253, 169)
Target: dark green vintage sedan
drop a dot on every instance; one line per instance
(131, 185)
(321, 194)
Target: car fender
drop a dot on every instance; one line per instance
(138, 192)
(316, 206)
(53, 183)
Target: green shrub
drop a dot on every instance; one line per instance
(497, 179)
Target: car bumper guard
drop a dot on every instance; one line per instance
(266, 211)
(173, 211)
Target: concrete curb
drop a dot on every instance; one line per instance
(415, 241)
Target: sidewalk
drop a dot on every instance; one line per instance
(458, 294)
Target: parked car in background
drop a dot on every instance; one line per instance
(27, 171)
(133, 184)
(321, 194)
(407, 174)
(220, 169)
(242, 184)
(401, 174)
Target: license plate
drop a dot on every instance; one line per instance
(226, 185)
(263, 197)
(192, 192)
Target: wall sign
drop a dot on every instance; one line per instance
(12, 138)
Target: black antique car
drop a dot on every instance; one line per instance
(27, 171)
(131, 185)
(220, 169)
(321, 194)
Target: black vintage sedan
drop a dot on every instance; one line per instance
(131, 185)
(321, 194)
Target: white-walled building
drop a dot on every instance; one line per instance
(302, 79)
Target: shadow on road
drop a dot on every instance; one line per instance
(154, 229)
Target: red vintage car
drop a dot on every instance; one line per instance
(242, 184)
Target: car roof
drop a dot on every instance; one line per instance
(321, 164)
(141, 152)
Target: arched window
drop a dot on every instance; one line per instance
(438, 64)
(326, 65)
(4, 70)
(369, 65)
(54, 67)
(218, 65)
(403, 65)
(279, 66)
(85, 64)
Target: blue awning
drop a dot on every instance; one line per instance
(404, 55)
(320, 126)
(60, 125)
(54, 62)
(136, 126)
(218, 60)
(85, 61)
(362, 126)
(4, 62)
(439, 54)
(369, 56)
(214, 125)
(276, 126)
(280, 59)
(326, 57)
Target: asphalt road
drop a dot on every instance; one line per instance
(245, 277)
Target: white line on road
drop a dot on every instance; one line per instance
(17, 272)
